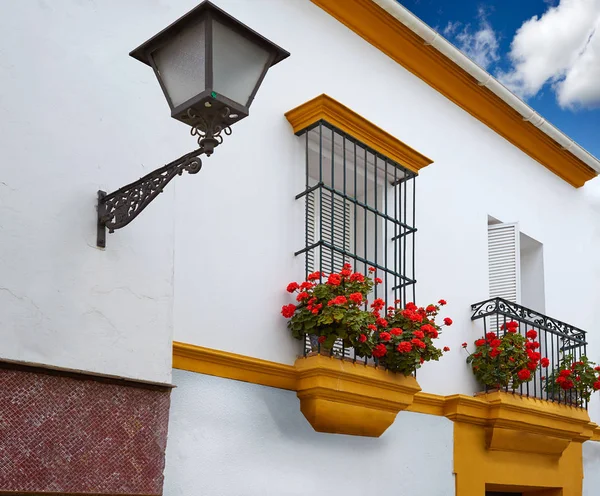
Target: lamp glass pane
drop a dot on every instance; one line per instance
(238, 64)
(181, 64)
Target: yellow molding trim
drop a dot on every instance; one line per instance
(385, 32)
(494, 410)
(233, 366)
(323, 107)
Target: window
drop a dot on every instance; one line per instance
(516, 265)
(360, 209)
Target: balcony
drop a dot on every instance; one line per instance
(557, 340)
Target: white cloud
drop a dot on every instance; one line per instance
(481, 45)
(561, 47)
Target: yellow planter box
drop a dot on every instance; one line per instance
(342, 397)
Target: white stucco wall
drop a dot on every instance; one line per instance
(591, 468)
(228, 438)
(210, 258)
(237, 228)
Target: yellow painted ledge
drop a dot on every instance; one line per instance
(388, 34)
(508, 419)
(232, 366)
(342, 397)
(327, 109)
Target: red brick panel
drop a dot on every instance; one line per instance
(66, 435)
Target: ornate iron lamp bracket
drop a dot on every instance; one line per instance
(119, 208)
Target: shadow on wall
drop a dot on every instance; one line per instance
(229, 438)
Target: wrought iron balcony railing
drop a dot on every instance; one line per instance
(557, 340)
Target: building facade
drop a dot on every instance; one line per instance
(373, 143)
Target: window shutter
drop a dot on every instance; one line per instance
(504, 262)
(337, 219)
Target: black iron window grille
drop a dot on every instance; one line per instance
(557, 340)
(359, 209)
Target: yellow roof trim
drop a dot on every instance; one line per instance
(326, 108)
(385, 32)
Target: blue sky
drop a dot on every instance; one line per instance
(546, 51)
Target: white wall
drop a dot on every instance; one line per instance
(228, 438)
(237, 227)
(78, 114)
(591, 474)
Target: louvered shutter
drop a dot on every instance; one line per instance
(504, 262)
(336, 217)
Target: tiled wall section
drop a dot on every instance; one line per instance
(65, 435)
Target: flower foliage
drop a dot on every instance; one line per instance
(336, 307)
(405, 337)
(506, 360)
(574, 380)
(330, 307)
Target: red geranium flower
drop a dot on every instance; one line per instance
(532, 365)
(531, 334)
(545, 362)
(596, 385)
(567, 384)
(396, 331)
(524, 374)
(446, 348)
(356, 298)
(490, 335)
(480, 342)
(378, 280)
(597, 369)
(322, 339)
(314, 276)
(362, 338)
(379, 350)
(464, 345)
(334, 279)
(372, 327)
(382, 322)
(378, 304)
(302, 296)
(411, 306)
(404, 347)
(345, 272)
(292, 286)
(288, 310)
(418, 343)
(448, 321)
(357, 277)
(419, 334)
(495, 343)
(564, 373)
(385, 336)
(495, 352)
(430, 308)
(372, 269)
(442, 302)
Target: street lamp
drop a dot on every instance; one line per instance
(209, 66)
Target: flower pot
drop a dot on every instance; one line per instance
(343, 397)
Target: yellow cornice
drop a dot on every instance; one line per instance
(393, 38)
(325, 108)
(501, 412)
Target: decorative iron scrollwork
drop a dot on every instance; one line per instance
(119, 208)
(524, 315)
